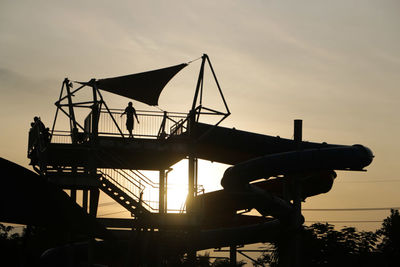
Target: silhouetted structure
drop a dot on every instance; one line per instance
(98, 157)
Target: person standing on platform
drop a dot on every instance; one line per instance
(130, 111)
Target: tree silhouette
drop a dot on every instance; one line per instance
(390, 233)
(322, 245)
(10, 246)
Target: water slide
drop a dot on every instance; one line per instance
(263, 167)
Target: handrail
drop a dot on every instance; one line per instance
(127, 190)
(145, 178)
(153, 125)
(139, 178)
(140, 175)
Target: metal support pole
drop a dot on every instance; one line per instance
(95, 121)
(289, 247)
(93, 205)
(166, 189)
(298, 132)
(191, 184)
(298, 135)
(109, 113)
(73, 194)
(58, 107)
(232, 255)
(191, 180)
(161, 203)
(85, 200)
(219, 87)
(94, 201)
(192, 190)
(199, 82)
(72, 121)
(191, 163)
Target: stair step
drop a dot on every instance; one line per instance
(121, 197)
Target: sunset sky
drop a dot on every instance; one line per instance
(335, 65)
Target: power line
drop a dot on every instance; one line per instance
(370, 181)
(340, 221)
(353, 209)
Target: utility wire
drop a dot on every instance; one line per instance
(353, 209)
(340, 221)
(371, 181)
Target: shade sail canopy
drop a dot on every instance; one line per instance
(145, 87)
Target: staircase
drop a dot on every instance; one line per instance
(123, 195)
(124, 186)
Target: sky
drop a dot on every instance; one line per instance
(335, 65)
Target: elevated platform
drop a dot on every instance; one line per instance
(118, 152)
(219, 144)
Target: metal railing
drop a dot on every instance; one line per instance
(152, 125)
(130, 186)
(61, 137)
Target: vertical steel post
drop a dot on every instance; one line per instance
(191, 183)
(298, 132)
(199, 82)
(85, 199)
(93, 201)
(191, 162)
(73, 194)
(72, 121)
(161, 203)
(191, 177)
(298, 136)
(95, 113)
(232, 255)
(166, 189)
(289, 246)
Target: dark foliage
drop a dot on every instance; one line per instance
(390, 245)
(10, 246)
(322, 245)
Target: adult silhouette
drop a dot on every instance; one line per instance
(130, 111)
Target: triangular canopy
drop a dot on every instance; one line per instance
(145, 87)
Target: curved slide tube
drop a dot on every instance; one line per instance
(296, 163)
